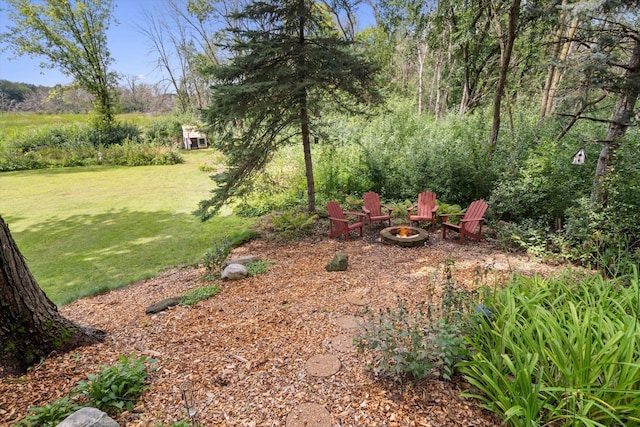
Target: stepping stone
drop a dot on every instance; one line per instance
(343, 343)
(309, 415)
(349, 321)
(359, 296)
(323, 365)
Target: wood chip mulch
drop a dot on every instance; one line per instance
(241, 357)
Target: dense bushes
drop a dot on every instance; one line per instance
(83, 145)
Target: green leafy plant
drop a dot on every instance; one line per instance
(198, 294)
(117, 387)
(292, 225)
(561, 351)
(49, 415)
(258, 267)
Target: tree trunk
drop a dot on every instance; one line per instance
(30, 325)
(622, 118)
(514, 11)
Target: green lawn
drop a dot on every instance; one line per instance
(86, 230)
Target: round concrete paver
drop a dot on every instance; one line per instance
(323, 365)
(348, 321)
(359, 296)
(343, 343)
(309, 415)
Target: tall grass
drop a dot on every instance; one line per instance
(87, 230)
(562, 351)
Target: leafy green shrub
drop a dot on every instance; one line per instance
(561, 351)
(258, 267)
(49, 415)
(293, 225)
(418, 342)
(198, 294)
(117, 387)
(215, 256)
(410, 344)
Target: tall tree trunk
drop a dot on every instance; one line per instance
(514, 11)
(560, 52)
(30, 325)
(422, 56)
(622, 118)
(304, 121)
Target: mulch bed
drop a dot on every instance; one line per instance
(243, 354)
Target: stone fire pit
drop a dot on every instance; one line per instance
(404, 236)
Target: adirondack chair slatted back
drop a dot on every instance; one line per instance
(338, 223)
(473, 215)
(372, 202)
(426, 202)
(335, 211)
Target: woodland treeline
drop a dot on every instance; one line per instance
(483, 99)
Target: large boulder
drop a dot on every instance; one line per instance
(338, 263)
(88, 417)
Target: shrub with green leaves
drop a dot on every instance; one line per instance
(293, 225)
(258, 267)
(49, 415)
(405, 343)
(116, 388)
(560, 351)
(198, 294)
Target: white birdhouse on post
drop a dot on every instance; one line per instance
(579, 157)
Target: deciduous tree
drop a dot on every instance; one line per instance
(30, 325)
(71, 36)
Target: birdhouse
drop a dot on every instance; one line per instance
(579, 157)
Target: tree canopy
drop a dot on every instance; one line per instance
(71, 36)
(286, 63)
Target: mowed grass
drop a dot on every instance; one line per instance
(87, 230)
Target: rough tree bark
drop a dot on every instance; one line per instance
(622, 119)
(30, 325)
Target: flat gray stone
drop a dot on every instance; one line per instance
(323, 365)
(244, 260)
(162, 305)
(88, 417)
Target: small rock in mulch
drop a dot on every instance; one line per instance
(349, 321)
(309, 415)
(339, 262)
(359, 296)
(247, 259)
(323, 365)
(234, 272)
(162, 305)
(343, 343)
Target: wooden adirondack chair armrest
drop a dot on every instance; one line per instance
(473, 219)
(445, 216)
(435, 208)
(366, 211)
(358, 214)
(338, 219)
(387, 207)
(412, 207)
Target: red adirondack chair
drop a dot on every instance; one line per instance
(425, 209)
(373, 208)
(471, 220)
(338, 223)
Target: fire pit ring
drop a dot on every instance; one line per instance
(415, 236)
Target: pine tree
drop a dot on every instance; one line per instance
(287, 62)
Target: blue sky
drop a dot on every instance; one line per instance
(129, 49)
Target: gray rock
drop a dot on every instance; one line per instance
(247, 259)
(162, 305)
(338, 263)
(235, 272)
(88, 417)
